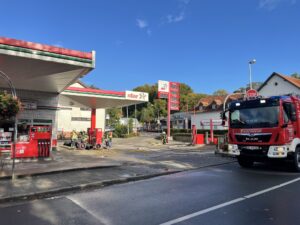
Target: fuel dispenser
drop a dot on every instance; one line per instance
(95, 137)
(37, 143)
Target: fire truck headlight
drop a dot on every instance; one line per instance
(277, 151)
(232, 147)
(280, 149)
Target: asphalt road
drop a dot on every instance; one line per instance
(214, 196)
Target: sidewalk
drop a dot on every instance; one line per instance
(71, 170)
(60, 161)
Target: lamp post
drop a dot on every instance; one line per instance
(14, 94)
(250, 71)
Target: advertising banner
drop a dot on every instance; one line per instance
(174, 95)
(163, 89)
(135, 95)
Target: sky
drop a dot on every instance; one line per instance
(206, 44)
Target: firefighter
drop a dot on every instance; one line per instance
(110, 136)
(106, 139)
(74, 138)
(164, 137)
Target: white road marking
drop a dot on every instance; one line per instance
(234, 201)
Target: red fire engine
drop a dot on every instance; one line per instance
(265, 128)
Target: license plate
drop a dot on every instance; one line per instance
(252, 148)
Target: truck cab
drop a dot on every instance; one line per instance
(263, 129)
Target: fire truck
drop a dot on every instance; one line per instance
(262, 129)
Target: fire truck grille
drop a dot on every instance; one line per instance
(254, 138)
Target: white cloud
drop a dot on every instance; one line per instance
(141, 23)
(273, 4)
(175, 19)
(180, 15)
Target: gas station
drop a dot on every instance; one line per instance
(43, 75)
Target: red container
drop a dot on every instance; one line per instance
(200, 139)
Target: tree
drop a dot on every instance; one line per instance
(255, 85)
(160, 107)
(147, 114)
(220, 92)
(295, 75)
(93, 87)
(114, 116)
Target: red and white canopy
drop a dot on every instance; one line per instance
(38, 67)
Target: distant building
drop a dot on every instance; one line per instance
(208, 108)
(135, 123)
(278, 84)
(181, 120)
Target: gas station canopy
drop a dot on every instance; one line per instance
(94, 98)
(38, 67)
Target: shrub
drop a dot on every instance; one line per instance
(120, 130)
(9, 106)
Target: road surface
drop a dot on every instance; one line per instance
(221, 195)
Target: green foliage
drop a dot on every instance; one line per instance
(93, 87)
(220, 92)
(147, 114)
(295, 75)
(255, 85)
(189, 101)
(160, 107)
(9, 106)
(114, 116)
(130, 125)
(120, 130)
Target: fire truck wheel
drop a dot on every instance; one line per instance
(98, 146)
(296, 161)
(244, 162)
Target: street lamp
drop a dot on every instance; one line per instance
(250, 71)
(14, 94)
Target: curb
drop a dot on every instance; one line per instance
(57, 171)
(92, 186)
(81, 187)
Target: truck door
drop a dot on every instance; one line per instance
(288, 112)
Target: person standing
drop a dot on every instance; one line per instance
(110, 136)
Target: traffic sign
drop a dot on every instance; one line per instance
(251, 93)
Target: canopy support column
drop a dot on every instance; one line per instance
(93, 119)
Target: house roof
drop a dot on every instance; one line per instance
(209, 99)
(291, 80)
(218, 100)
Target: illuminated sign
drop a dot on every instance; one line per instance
(139, 96)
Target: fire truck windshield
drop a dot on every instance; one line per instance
(256, 117)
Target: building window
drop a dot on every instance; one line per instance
(213, 106)
(80, 119)
(275, 83)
